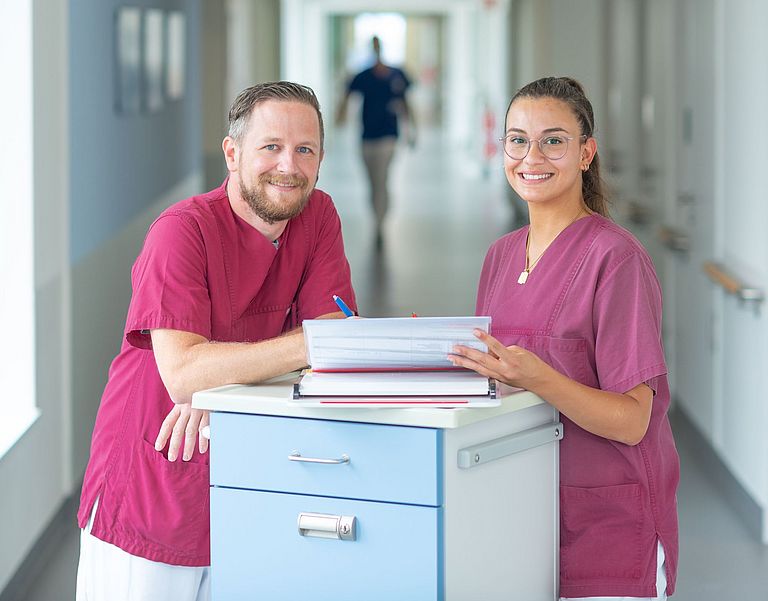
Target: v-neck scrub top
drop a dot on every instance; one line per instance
(592, 310)
(202, 269)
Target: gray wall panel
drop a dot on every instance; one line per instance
(121, 163)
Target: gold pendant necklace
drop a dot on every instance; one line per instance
(523, 277)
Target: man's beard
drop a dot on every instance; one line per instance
(267, 209)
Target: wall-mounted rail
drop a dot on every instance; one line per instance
(674, 239)
(731, 284)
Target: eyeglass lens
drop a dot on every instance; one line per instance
(552, 147)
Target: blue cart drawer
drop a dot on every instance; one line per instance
(385, 463)
(258, 553)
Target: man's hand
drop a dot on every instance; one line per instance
(183, 425)
(410, 137)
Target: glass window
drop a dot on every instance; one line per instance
(17, 285)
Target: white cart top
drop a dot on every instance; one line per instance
(273, 398)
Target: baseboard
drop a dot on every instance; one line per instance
(46, 546)
(748, 510)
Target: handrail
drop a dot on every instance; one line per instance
(674, 239)
(638, 213)
(731, 284)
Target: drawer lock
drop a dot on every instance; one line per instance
(322, 525)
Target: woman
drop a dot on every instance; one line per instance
(576, 310)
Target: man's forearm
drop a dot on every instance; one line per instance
(188, 363)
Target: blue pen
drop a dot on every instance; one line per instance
(343, 306)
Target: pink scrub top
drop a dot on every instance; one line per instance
(592, 310)
(203, 270)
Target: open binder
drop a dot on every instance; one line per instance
(392, 362)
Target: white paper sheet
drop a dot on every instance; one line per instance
(389, 343)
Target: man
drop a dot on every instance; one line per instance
(219, 291)
(383, 89)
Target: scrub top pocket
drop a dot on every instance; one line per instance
(602, 532)
(159, 489)
(261, 323)
(566, 355)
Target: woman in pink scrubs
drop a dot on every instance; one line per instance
(576, 310)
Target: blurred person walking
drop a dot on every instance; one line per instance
(383, 89)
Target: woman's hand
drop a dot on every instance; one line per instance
(512, 365)
(623, 417)
(183, 425)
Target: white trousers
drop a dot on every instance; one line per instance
(661, 584)
(377, 156)
(107, 573)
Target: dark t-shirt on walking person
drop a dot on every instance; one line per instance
(383, 100)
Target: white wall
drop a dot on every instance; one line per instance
(562, 37)
(215, 93)
(36, 473)
(253, 44)
(697, 70)
(81, 304)
(742, 243)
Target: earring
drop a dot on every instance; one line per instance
(585, 167)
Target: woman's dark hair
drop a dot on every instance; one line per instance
(571, 92)
(240, 112)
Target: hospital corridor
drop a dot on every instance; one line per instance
(102, 143)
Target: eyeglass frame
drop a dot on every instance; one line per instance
(538, 142)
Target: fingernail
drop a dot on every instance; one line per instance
(158, 447)
(186, 457)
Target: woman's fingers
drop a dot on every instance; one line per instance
(471, 353)
(470, 358)
(495, 348)
(460, 360)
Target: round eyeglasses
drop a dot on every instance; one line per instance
(517, 147)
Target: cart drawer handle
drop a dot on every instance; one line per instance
(296, 456)
(322, 525)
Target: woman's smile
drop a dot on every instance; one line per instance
(534, 176)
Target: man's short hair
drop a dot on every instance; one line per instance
(243, 105)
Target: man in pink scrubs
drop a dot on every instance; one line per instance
(220, 289)
(576, 310)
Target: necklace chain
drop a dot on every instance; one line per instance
(523, 277)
